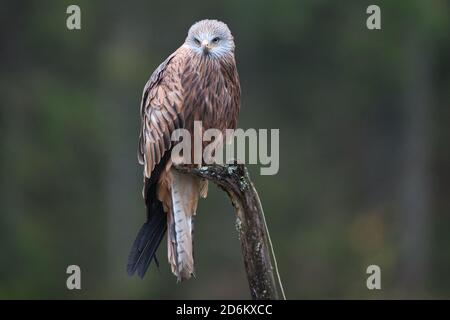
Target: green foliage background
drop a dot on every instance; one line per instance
(364, 128)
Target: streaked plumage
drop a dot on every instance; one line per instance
(199, 81)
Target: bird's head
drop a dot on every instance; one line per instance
(210, 38)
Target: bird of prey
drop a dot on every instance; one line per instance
(198, 82)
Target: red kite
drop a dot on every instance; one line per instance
(198, 82)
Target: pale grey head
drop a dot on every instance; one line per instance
(210, 38)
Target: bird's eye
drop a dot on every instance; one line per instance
(197, 41)
(216, 40)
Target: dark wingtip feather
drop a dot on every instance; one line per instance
(147, 242)
(151, 233)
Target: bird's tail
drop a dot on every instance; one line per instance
(148, 239)
(185, 192)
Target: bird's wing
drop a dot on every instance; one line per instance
(161, 105)
(160, 115)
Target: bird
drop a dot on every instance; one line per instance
(197, 82)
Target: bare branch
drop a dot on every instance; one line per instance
(235, 181)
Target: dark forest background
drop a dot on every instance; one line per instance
(364, 139)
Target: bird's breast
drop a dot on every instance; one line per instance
(206, 94)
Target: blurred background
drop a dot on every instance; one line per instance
(364, 142)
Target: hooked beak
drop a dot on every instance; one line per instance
(205, 46)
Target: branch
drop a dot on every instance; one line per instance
(235, 181)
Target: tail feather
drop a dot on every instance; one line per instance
(185, 194)
(147, 242)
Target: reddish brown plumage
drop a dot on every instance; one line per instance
(186, 87)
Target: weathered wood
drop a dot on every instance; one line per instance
(235, 181)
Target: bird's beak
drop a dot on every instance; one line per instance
(205, 46)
